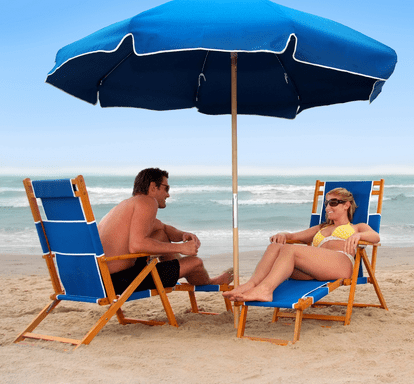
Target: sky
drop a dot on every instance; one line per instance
(46, 131)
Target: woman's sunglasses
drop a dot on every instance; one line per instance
(334, 202)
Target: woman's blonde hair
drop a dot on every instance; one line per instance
(347, 196)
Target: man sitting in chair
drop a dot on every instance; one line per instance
(132, 227)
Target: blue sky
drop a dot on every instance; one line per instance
(44, 130)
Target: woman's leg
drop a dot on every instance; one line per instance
(262, 270)
(300, 262)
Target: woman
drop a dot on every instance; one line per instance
(330, 257)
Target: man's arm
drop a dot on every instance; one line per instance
(144, 223)
(176, 235)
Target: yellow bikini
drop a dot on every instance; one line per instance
(342, 232)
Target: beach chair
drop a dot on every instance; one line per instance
(300, 295)
(75, 259)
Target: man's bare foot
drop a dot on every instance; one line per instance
(238, 291)
(256, 294)
(225, 278)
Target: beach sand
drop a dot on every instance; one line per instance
(377, 347)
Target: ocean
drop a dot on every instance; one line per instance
(203, 205)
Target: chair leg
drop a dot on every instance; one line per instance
(351, 296)
(115, 307)
(121, 317)
(242, 327)
(275, 316)
(298, 325)
(227, 302)
(242, 321)
(374, 281)
(39, 318)
(164, 299)
(193, 301)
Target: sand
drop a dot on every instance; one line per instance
(377, 347)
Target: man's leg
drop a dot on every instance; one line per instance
(192, 267)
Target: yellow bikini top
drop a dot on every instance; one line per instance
(342, 232)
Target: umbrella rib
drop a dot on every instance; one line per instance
(201, 75)
(113, 69)
(288, 79)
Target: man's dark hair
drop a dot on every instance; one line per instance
(144, 179)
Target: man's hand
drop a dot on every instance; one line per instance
(191, 237)
(189, 248)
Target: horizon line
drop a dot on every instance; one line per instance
(211, 171)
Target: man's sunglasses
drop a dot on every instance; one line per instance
(334, 202)
(167, 187)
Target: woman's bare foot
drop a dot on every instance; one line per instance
(239, 290)
(258, 293)
(225, 278)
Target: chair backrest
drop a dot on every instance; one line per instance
(69, 231)
(362, 191)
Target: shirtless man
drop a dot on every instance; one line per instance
(132, 227)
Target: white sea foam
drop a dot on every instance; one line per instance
(264, 201)
(7, 189)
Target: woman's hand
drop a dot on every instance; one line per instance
(351, 243)
(279, 238)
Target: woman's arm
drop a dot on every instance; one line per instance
(367, 233)
(363, 232)
(305, 236)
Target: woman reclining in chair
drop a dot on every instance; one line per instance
(332, 255)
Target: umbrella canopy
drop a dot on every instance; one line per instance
(178, 56)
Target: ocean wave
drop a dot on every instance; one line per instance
(254, 189)
(278, 188)
(15, 202)
(199, 189)
(399, 197)
(8, 189)
(105, 195)
(20, 241)
(405, 186)
(263, 201)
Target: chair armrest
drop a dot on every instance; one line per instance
(128, 256)
(365, 243)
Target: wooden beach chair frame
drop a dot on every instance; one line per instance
(109, 297)
(311, 298)
(192, 289)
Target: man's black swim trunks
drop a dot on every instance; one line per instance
(169, 272)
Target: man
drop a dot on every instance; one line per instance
(132, 227)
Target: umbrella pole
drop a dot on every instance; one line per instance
(234, 178)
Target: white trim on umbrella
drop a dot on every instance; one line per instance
(217, 50)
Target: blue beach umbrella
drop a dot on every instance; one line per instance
(224, 57)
